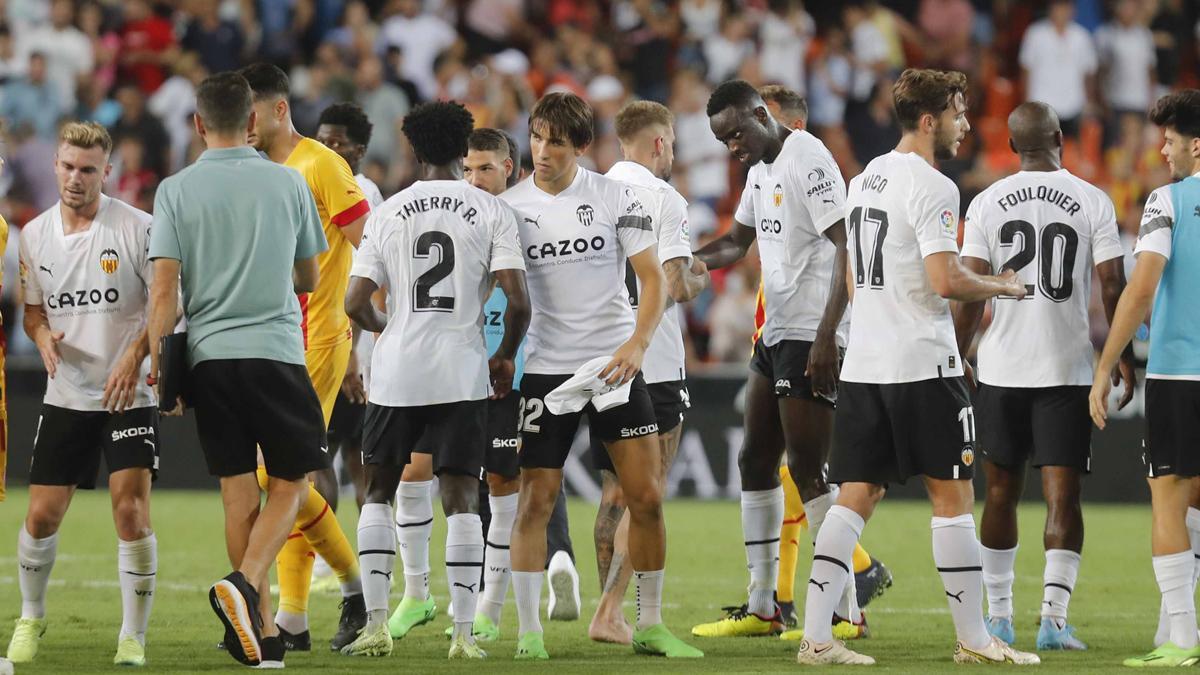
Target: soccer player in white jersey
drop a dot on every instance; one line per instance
(646, 133)
(792, 205)
(437, 244)
(346, 129)
(1166, 277)
(903, 408)
(85, 279)
(1035, 359)
(578, 228)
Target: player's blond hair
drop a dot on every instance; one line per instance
(86, 135)
(638, 115)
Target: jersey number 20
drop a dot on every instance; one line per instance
(1057, 245)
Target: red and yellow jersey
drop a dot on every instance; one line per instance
(760, 314)
(3, 379)
(340, 201)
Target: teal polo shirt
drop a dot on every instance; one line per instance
(237, 223)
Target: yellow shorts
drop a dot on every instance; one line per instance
(327, 368)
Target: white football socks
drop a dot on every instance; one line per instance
(414, 525)
(998, 575)
(497, 570)
(649, 598)
(527, 590)
(137, 567)
(464, 560)
(762, 518)
(1174, 575)
(956, 554)
(832, 560)
(376, 558)
(1058, 582)
(35, 559)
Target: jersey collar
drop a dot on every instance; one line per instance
(630, 171)
(241, 152)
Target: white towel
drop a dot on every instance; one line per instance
(584, 387)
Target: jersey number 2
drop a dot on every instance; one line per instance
(879, 218)
(422, 300)
(1058, 245)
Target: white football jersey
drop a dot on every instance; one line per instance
(94, 287)
(667, 211)
(790, 203)
(1051, 228)
(898, 211)
(366, 340)
(370, 190)
(575, 245)
(434, 246)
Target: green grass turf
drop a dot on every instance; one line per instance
(1115, 607)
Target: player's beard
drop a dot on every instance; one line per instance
(943, 142)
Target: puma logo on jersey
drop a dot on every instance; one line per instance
(957, 596)
(470, 588)
(634, 432)
(534, 221)
(45, 269)
(564, 248)
(820, 586)
(132, 432)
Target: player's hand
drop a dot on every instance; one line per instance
(177, 411)
(47, 344)
(626, 363)
(1098, 399)
(121, 387)
(352, 383)
(699, 269)
(502, 371)
(1125, 371)
(822, 367)
(1013, 285)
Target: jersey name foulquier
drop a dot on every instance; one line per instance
(93, 286)
(575, 245)
(434, 245)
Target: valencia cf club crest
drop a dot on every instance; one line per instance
(109, 261)
(778, 195)
(968, 456)
(585, 214)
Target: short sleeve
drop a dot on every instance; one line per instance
(975, 243)
(368, 259)
(1106, 237)
(506, 243)
(825, 192)
(31, 288)
(935, 217)
(674, 241)
(310, 236)
(146, 266)
(1158, 221)
(164, 230)
(633, 225)
(745, 207)
(1028, 54)
(341, 194)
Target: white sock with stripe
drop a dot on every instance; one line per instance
(762, 518)
(414, 526)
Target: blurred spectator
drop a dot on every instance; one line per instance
(31, 161)
(725, 50)
(147, 45)
(95, 105)
(829, 86)
(357, 34)
(384, 104)
(421, 37)
(105, 42)
(731, 317)
(490, 26)
(701, 167)
(67, 50)
(174, 104)
(648, 30)
(281, 22)
(868, 52)
(137, 122)
(132, 175)
(1172, 32)
(10, 66)
(23, 15)
(33, 100)
(393, 66)
(701, 19)
(1126, 49)
(785, 33)
(219, 42)
(947, 26)
(876, 132)
(1058, 62)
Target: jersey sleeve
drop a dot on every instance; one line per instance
(164, 233)
(975, 244)
(343, 198)
(825, 192)
(31, 289)
(506, 243)
(368, 259)
(310, 236)
(145, 264)
(935, 217)
(745, 208)
(673, 238)
(633, 225)
(1158, 220)
(1106, 237)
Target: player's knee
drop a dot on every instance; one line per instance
(501, 486)
(460, 493)
(644, 500)
(132, 518)
(42, 521)
(611, 494)
(754, 464)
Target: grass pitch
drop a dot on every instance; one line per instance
(1114, 609)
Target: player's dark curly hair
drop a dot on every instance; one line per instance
(1180, 111)
(351, 116)
(438, 131)
(731, 93)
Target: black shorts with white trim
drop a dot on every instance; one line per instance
(1047, 426)
(454, 433)
(1172, 428)
(670, 400)
(886, 433)
(69, 443)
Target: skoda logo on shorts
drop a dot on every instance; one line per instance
(109, 261)
(584, 214)
(968, 456)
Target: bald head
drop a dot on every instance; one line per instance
(1034, 127)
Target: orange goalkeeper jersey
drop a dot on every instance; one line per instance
(340, 201)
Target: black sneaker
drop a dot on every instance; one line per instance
(273, 649)
(235, 603)
(787, 612)
(354, 619)
(872, 582)
(295, 642)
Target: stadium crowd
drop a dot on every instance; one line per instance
(133, 67)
